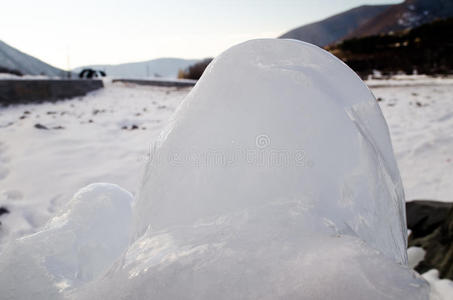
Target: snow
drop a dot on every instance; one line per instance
(14, 59)
(6, 76)
(441, 289)
(414, 256)
(421, 122)
(41, 169)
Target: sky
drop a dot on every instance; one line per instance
(73, 33)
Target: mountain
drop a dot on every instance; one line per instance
(409, 14)
(161, 67)
(334, 28)
(428, 49)
(13, 59)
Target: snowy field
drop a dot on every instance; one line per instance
(49, 151)
(103, 137)
(419, 112)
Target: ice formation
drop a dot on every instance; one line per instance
(75, 247)
(275, 180)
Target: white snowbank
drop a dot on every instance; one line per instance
(409, 80)
(441, 289)
(75, 247)
(414, 256)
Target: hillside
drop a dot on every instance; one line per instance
(13, 59)
(427, 48)
(162, 67)
(372, 20)
(409, 14)
(332, 29)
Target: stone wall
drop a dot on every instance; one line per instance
(160, 82)
(35, 91)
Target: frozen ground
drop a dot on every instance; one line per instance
(107, 136)
(419, 112)
(103, 137)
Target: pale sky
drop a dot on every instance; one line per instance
(112, 32)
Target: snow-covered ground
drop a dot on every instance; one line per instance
(103, 137)
(419, 112)
(108, 135)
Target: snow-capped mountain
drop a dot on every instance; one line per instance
(406, 15)
(13, 59)
(161, 67)
(372, 19)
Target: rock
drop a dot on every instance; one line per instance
(3, 210)
(40, 126)
(424, 216)
(431, 223)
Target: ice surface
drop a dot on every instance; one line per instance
(276, 179)
(75, 247)
(326, 146)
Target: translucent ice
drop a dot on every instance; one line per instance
(75, 247)
(275, 180)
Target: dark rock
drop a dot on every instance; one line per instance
(431, 223)
(133, 127)
(40, 126)
(3, 210)
(424, 216)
